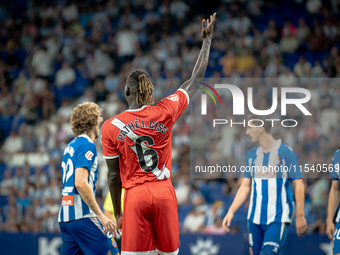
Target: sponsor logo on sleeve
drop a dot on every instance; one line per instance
(89, 155)
(173, 97)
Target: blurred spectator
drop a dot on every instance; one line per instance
(302, 32)
(216, 228)
(65, 109)
(194, 222)
(302, 68)
(288, 29)
(41, 63)
(272, 32)
(317, 70)
(13, 143)
(287, 78)
(7, 185)
(229, 63)
(127, 45)
(65, 75)
(319, 194)
(245, 61)
(101, 92)
(182, 190)
(288, 43)
(318, 41)
(19, 180)
(38, 176)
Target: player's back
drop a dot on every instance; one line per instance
(141, 138)
(80, 152)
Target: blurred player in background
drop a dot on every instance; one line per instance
(84, 227)
(271, 201)
(332, 231)
(137, 149)
(108, 206)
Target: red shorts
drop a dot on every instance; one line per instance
(150, 219)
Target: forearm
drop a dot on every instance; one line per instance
(202, 61)
(333, 202)
(239, 199)
(198, 72)
(86, 194)
(300, 199)
(115, 187)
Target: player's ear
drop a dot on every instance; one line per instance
(127, 91)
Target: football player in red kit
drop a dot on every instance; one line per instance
(137, 149)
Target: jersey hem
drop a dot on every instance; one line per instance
(154, 252)
(168, 253)
(111, 157)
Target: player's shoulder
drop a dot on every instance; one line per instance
(252, 152)
(286, 148)
(337, 155)
(286, 151)
(83, 142)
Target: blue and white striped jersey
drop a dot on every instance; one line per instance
(335, 175)
(271, 197)
(80, 152)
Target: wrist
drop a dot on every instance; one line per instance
(100, 214)
(299, 215)
(207, 40)
(329, 220)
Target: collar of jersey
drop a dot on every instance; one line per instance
(275, 147)
(134, 110)
(85, 136)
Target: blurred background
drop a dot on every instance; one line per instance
(56, 54)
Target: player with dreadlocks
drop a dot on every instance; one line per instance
(137, 149)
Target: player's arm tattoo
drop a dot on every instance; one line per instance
(115, 184)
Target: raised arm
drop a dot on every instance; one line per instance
(191, 85)
(115, 186)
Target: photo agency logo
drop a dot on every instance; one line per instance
(238, 99)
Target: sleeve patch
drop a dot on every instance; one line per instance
(89, 155)
(173, 97)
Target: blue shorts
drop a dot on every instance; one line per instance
(267, 239)
(336, 239)
(85, 236)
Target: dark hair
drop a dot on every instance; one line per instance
(267, 125)
(140, 79)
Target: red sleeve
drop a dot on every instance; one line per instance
(175, 104)
(109, 150)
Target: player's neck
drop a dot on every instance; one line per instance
(134, 105)
(91, 135)
(267, 142)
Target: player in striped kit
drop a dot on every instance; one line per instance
(84, 227)
(271, 201)
(333, 231)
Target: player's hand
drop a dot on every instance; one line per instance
(119, 220)
(108, 224)
(207, 27)
(227, 220)
(330, 229)
(301, 226)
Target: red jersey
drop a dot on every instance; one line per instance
(141, 138)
